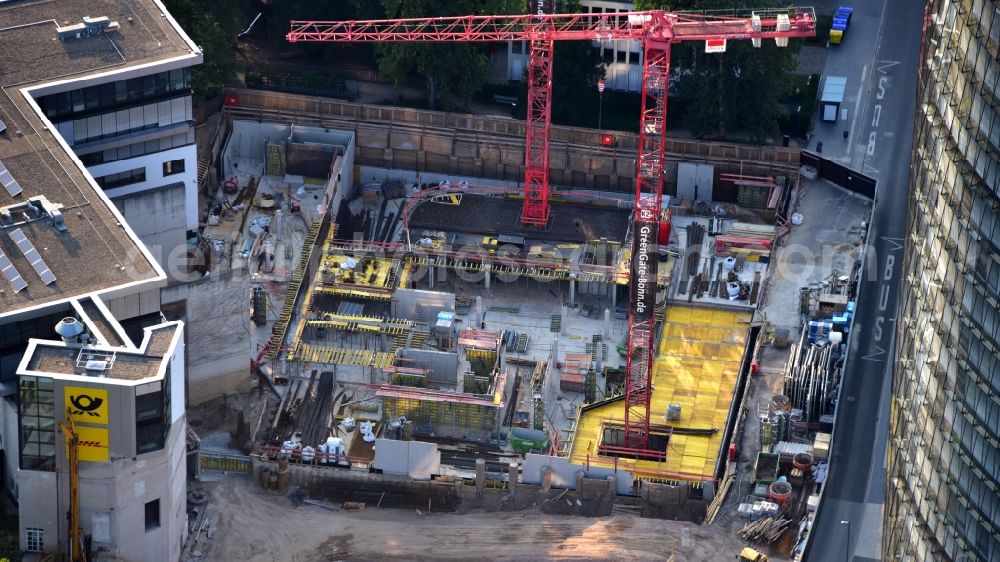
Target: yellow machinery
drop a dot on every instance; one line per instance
(76, 553)
(751, 555)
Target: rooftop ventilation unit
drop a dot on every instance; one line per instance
(69, 329)
(34, 208)
(89, 28)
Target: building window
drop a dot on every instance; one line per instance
(127, 177)
(172, 167)
(152, 515)
(150, 421)
(38, 424)
(34, 540)
(138, 149)
(100, 98)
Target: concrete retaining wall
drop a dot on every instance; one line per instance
(565, 474)
(493, 147)
(415, 459)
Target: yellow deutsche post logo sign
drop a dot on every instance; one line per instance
(87, 405)
(93, 444)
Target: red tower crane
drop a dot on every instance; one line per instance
(657, 30)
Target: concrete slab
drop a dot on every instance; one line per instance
(528, 307)
(828, 239)
(569, 223)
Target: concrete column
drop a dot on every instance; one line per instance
(562, 320)
(486, 280)
(546, 479)
(479, 313)
(614, 296)
(555, 352)
(607, 326)
(708, 488)
(480, 476)
(512, 477)
(430, 272)
(572, 290)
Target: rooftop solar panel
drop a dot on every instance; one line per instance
(8, 181)
(10, 273)
(32, 255)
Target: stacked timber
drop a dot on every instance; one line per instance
(764, 531)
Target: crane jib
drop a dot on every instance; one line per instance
(644, 262)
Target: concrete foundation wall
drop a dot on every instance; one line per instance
(158, 218)
(407, 458)
(353, 485)
(443, 365)
(404, 304)
(565, 473)
(215, 333)
(493, 147)
(407, 177)
(672, 502)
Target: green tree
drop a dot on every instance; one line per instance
(738, 90)
(576, 68)
(213, 25)
(452, 72)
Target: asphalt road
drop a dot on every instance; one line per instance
(881, 146)
(851, 59)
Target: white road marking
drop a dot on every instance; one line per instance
(882, 65)
(857, 103)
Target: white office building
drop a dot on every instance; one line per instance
(93, 88)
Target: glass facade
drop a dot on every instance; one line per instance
(152, 418)
(137, 149)
(115, 95)
(943, 488)
(38, 423)
(128, 177)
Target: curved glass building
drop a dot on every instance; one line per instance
(943, 488)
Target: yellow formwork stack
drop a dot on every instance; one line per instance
(441, 413)
(341, 356)
(280, 327)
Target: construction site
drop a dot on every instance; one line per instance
(448, 317)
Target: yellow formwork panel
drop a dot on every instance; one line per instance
(342, 356)
(697, 367)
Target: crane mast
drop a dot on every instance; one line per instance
(657, 30)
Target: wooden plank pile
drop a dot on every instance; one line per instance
(764, 531)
